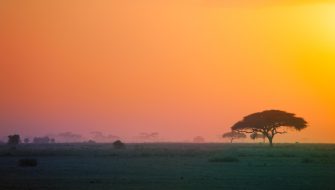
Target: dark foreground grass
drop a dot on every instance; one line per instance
(169, 166)
(27, 162)
(224, 159)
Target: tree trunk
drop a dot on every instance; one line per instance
(270, 141)
(231, 140)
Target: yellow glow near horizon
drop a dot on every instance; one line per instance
(327, 22)
(319, 54)
(315, 56)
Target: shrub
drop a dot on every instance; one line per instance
(224, 159)
(27, 162)
(41, 140)
(14, 140)
(118, 144)
(26, 140)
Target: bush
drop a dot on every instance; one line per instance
(27, 162)
(118, 144)
(41, 140)
(14, 140)
(224, 159)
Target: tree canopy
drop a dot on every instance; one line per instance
(14, 139)
(255, 136)
(234, 135)
(269, 123)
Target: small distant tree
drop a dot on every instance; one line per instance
(234, 135)
(41, 140)
(269, 123)
(255, 136)
(119, 144)
(26, 140)
(52, 140)
(198, 139)
(14, 140)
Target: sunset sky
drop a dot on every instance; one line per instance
(182, 68)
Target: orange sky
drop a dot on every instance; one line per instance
(182, 68)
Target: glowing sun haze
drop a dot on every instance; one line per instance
(181, 68)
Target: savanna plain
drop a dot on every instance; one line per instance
(168, 166)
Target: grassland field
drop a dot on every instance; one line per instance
(170, 166)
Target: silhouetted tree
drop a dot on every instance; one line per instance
(118, 144)
(52, 140)
(198, 139)
(269, 123)
(148, 137)
(101, 137)
(69, 137)
(14, 140)
(255, 136)
(41, 140)
(26, 140)
(234, 135)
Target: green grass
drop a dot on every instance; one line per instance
(169, 166)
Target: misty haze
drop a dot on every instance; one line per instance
(167, 94)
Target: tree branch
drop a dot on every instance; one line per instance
(242, 131)
(280, 132)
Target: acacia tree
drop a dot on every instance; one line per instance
(234, 135)
(269, 123)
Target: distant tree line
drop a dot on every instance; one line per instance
(15, 139)
(43, 140)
